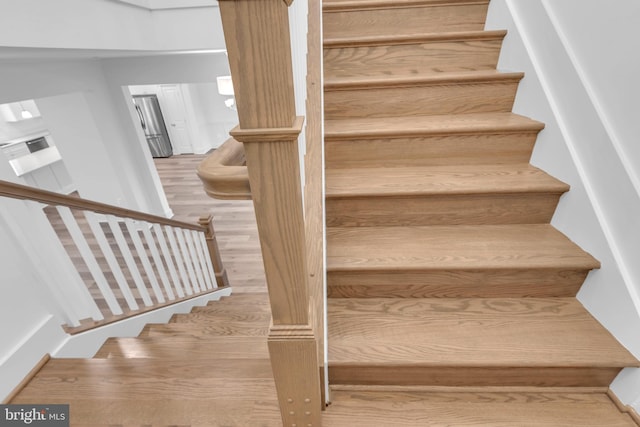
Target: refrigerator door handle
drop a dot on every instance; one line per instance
(142, 122)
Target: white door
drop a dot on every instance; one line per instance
(176, 119)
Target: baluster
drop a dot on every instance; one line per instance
(167, 256)
(178, 256)
(110, 257)
(187, 259)
(144, 258)
(89, 259)
(198, 239)
(193, 255)
(130, 262)
(157, 260)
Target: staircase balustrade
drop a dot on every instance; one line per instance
(126, 262)
(258, 43)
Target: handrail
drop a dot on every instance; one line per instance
(24, 192)
(120, 263)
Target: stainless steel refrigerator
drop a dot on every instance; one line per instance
(153, 125)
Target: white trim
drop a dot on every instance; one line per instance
(591, 93)
(152, 5)
(28, 352)
(578, 117)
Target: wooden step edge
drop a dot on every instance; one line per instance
(586, 264)
(383, 40)
(467, 389)
(556, 190)
(625, 409)
(428, 79)
(495, 364)
(531, 126)
(351, 5)
(27, 379)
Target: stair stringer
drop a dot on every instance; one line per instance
(582, 214)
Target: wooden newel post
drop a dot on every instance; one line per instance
(258, 45)
(214, 252)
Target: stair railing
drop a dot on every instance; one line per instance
(123, 263)
(259, 49)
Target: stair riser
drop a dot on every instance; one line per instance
(477, 97)
(404, 20)
(472, 376)
(448, 291)
(456, 283)
(411, 59)
(524, 208)
(464, 149)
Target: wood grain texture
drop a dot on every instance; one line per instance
(403, 18)
(364, 408)
(399, 127)
(442, 269)
(411, 55)
(258, 42)
(472, 92)
(372, 4)
(450, 283)
(411, 151)
(440, 180)
(429, 331)
(224, 172)
(464, 247)
(260, 62)
(439, 195)
(314, 185)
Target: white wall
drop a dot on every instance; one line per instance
(90, 24)
(214, 119)
(579, 145)
(30, 310)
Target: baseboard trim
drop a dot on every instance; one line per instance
(629, 410)
(27, 379)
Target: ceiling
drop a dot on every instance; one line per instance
(27, 54)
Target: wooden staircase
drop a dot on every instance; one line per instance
(451, 297)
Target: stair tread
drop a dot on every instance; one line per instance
(434, 124)
(136, 377)
(433, 180)
(464, 247)
(469, 332)
(176, 347)
(452, 77)
(406, 408)
(330, 5)
(392, 39)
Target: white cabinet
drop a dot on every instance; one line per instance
(53, 177)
